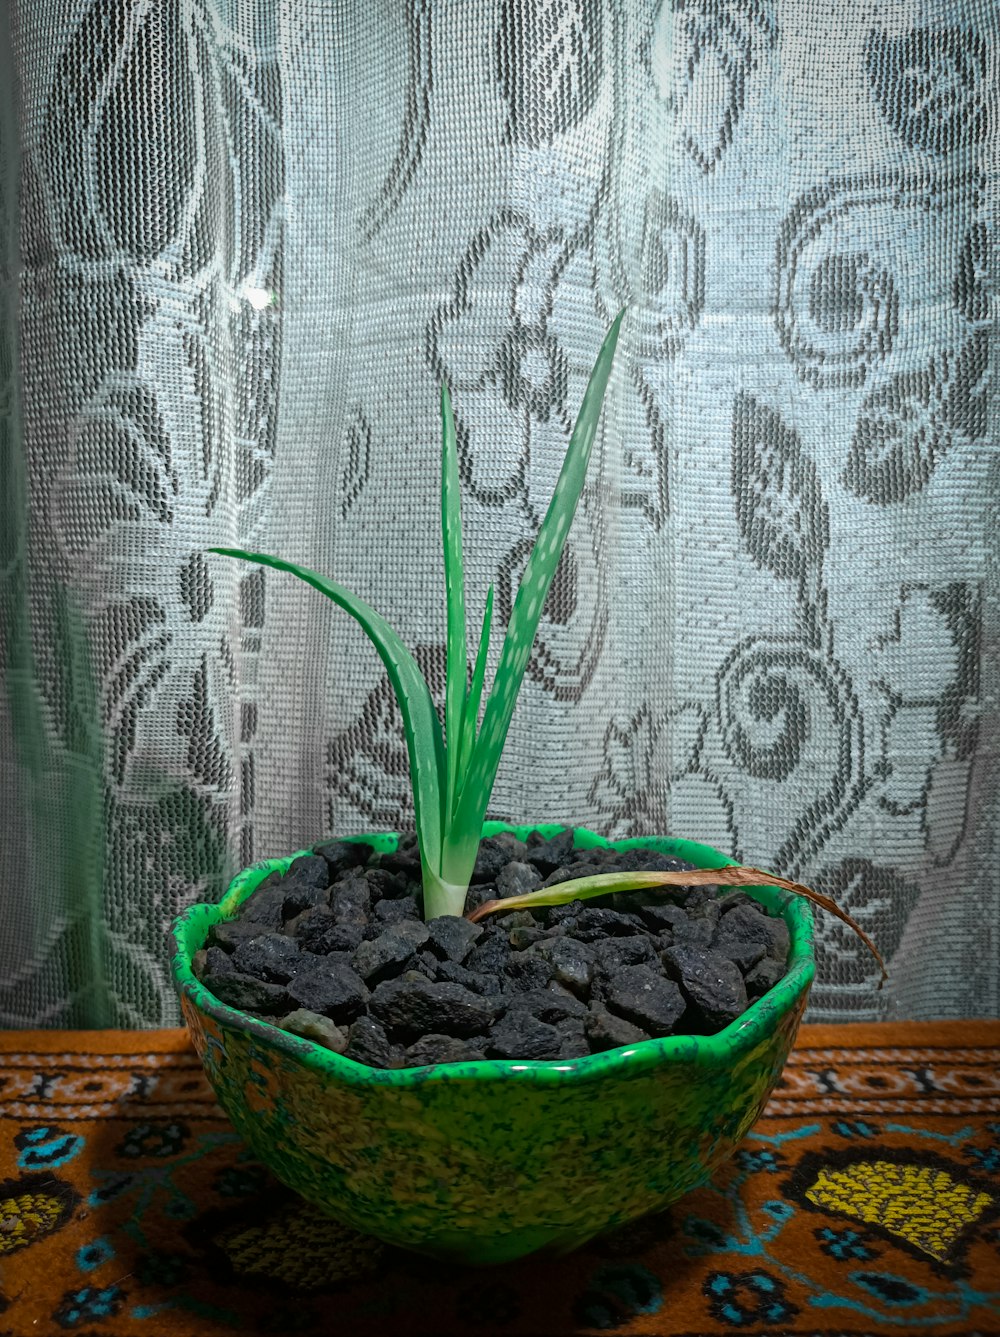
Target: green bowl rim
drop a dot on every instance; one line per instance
(725, 1047)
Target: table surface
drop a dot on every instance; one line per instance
(866, 1200)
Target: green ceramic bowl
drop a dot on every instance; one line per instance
(484, 1162)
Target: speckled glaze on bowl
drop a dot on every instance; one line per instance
(484, 1162)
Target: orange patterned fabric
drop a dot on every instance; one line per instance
(866, 1200)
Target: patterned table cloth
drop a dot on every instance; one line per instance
(866, 1200)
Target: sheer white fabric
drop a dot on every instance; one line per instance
(244, 242)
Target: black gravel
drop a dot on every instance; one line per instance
(336, 950)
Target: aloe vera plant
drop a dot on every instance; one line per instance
(452, 772)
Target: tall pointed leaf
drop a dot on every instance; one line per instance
(454, 577)
(533, 590)
(424, 743)
(471, 717)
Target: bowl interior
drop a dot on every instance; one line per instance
(192, 927)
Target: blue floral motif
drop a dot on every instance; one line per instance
(845, 1244)
(94, 1254)
(890, 1289)
(854, 1128)
(986, 1158)
(779, 1210)
(87, 1304)
(754, 1161)
(113, 1187)
(46, 1147)
(746, 1299)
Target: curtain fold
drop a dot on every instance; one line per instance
(243, 244)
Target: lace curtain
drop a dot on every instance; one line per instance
(244, 242)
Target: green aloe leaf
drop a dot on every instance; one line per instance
(424, 743)
(471, 717)
(532, 592)
(454, 574)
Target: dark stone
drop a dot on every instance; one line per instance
(662, 915)
(311, 1026)
(565, 915)
(572, 962)
(641, 995)
(431, 1049)
(453, 938)
(368, 1043)
(638, 860)
(520, 1035)
(705, 912)
(230, 932)
(524, 972)
(350, 901)
(427, 963)
(490, 954)
(317, 931)
(672, 923)
(301, 896)
(395, 911)
(712, 983)
(571, 873)
(517, 879)
(514, 845)
(526, 935)
(546, 1004)
(593, 923)
(266, 905)
(731, 899)
(218, 962)
(573, 1039)
(477, 896)
(478, 981)
(271, 956)
(247, 994)
(343, 854)
(491, 857)
(606, 1031)
(508, 921)
(745, 936)
(415, 1007)
(550, 854)
(612, 954)
(765, 975)
(388, 955)
(309, 870)
(331, 987)
(385, 886)
(404, 860)
(558, 990)
(697, 898)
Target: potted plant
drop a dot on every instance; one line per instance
(460, 1143)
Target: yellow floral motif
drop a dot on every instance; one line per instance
(921, 1204)
(26, 1218)
(301, 1248)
